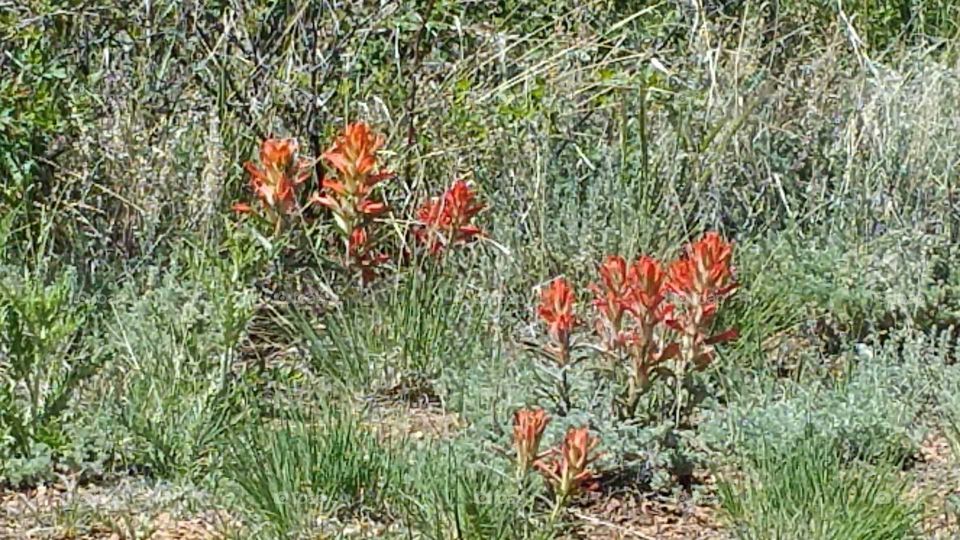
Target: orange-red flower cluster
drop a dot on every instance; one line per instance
(684, 298)
(276, 180)
(446, 220)
(556, 308)
(698, 281)
(636, 291)
(704, 273)
(349, 195)
(611, 297)
(528, 427)
(650, 313)
(567, 469)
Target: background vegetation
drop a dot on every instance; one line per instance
(147, 335)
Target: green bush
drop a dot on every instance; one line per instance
(44, 103)
(877, 406)
(173, 382)
(43, 359)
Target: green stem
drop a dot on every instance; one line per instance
(564, 391)
(683, 362)
(557, 506)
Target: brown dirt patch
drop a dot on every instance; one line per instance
(127, 509)
(624, 514)
(402, 421)
(936, 478)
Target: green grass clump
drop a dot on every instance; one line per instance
(171, 385)
(295, 474)
(449, 496)
(810, 492)
(415, 324)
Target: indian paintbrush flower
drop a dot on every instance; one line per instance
(557, 310)
(276, 180)
(610, 299)
(698, 281)
(446, 220)
(349, 195)
(567, 469)
(528, 427)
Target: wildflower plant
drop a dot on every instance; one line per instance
(528, 427)
(698, 281)
(447, 220)
(557, 311)
(276, 180)
(652, 321)
(350, 195)
(566, 468)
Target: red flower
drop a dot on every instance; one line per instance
(528, 427)
(704, 269)
(568, 471)
(647, 279)
(275, 181)
(354, 157)
(278, 153)
(445, 221)
(556, 309)
(699, 280)
(610, 298)
(362, 256)
(354, 153)
(616, 287)
(349, 195)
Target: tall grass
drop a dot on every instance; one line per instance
(172, 382)
(416, 323)
(448, 497)
(810, 492)
(292, 476)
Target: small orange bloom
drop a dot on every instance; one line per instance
(353, 156)
(610, 298)
(445, 220)
(699, 280)
(615, 287)
(705, 268)
(349, 195)
(528, 427)
(568, 471)
(557, 310)
(647, 279)
(275, 181)
(354, 153)
(278, 154)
